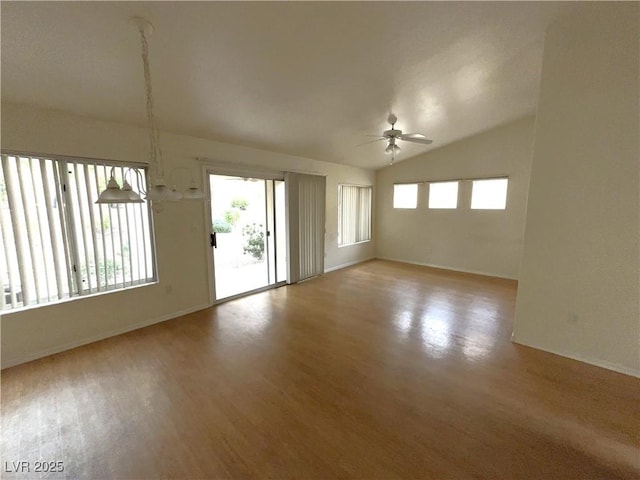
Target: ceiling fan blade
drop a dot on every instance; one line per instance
(416, 138)
(372, 141)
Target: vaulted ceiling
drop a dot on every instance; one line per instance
(308, 79)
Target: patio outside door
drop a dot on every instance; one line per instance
(247, 234)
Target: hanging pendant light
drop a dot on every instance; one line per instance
(132, 197)
(114, 194)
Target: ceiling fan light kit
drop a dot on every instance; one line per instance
(392, 148)
(392, 135)
(158, 190)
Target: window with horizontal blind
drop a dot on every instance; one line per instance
(354, 212)
(57, 243)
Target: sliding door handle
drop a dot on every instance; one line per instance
(214, 240)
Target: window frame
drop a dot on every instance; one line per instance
(506, 193)
(457, 205)
(71, 224)
(417, 199)
(356, 218)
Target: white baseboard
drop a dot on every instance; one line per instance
(591, 361)
(348, 264)
(448, 267)
(11, 362)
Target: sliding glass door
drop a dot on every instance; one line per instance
(247, 234)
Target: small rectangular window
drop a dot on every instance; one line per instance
(354, 214)
(405, 196)
(489, 194)
(443, 195)
(56, 243)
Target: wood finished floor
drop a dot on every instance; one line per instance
(382, 370)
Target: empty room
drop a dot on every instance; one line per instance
(313, 240)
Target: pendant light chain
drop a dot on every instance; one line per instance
(157, 191)
(155, 160)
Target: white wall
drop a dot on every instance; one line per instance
(181, 231)
(481, 241)
(579, 292)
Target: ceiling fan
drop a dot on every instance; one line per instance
(392, 136)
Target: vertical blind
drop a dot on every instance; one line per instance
(305, 209)
(57, 243)
(354, 212)
(311, 224)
